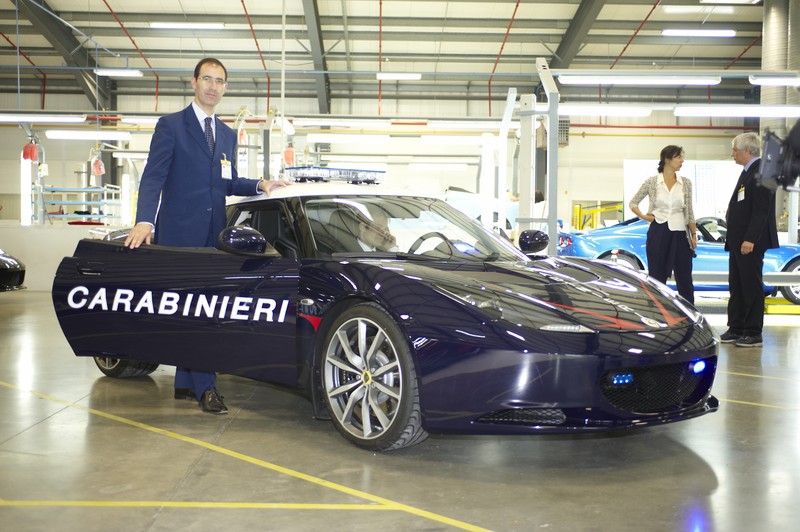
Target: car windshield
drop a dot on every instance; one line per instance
(402, 225)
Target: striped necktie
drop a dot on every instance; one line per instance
(209, 135)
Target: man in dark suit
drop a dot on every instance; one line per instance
(751, 231)
(190, 169)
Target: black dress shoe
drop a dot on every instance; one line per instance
(211, 402)
(185, 393)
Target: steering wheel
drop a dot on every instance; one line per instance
(433, 234)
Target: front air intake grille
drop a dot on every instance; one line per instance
(655, 389)
(526, 416)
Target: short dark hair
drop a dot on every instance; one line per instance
(668, 153)
(209, 61)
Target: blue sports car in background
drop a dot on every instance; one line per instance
(625, 243)
(448, 329)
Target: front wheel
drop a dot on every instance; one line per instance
(124, 369)
(792, 292)
(369, 381)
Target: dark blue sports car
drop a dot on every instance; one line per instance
(625, 243)
(396, 315)
(12, 272)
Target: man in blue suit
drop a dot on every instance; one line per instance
(182, 192)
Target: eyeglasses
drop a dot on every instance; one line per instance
(216, 81)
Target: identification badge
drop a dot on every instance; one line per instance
(740, 194)
(227, 169)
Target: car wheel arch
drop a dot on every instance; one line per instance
(631, 258)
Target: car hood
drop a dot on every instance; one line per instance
(562, 294)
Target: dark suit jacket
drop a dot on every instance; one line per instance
(181, 171)
(753, 218)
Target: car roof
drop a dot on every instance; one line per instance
(296, 190)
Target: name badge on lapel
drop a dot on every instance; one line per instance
(227, 169)
(740, 194)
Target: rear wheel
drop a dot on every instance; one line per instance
(124, 369)
(369, 381)
(792, 292)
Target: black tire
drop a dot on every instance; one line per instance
(792, 292)
(124, 369)
(369, 381)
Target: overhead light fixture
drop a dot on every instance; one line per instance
(398, 76)
(458, 167)
(131, 155)
(775, 81)
(740, 111)
(140, 120)
(470, 125)
(342, 122)
(118, 72)
(741, 2)
(697, 33)
(578, 109)
(637, 79)
(187, 25)
(12, 118)
(87, 134)
(346, 138)
(455, 140)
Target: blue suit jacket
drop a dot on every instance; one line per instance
(188, 180)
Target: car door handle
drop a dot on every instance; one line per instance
(91, 268)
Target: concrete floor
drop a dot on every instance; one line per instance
(82, 452)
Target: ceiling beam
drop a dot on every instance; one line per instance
(317, 51)
(585, 17)
(71, 50)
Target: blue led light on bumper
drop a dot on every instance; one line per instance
(621, 379)
(697, 366)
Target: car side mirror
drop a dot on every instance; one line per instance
(532, 241)
(244, 240)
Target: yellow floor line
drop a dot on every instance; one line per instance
(388, 504)
(763, 405)
(754, 376)
(196, 504)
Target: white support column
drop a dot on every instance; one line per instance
(551, 194)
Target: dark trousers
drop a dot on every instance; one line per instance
(746, 284)
(199, 381)
(668, 252)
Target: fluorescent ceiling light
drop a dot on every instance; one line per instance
(742, 2)
(140, 120)
(396, 76)
(118, 72)
(577, 109)
(460, 140)
(469, 125)
(752, 111)
(445, 160)
(697, 33)
(41, 119)
(342, 122)
(377, 159)
(136, 155)
(683, 10)
(87, 134)
(346, 138)
(187, 25)
(459, 167)
(775, 81)
(637, 79)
